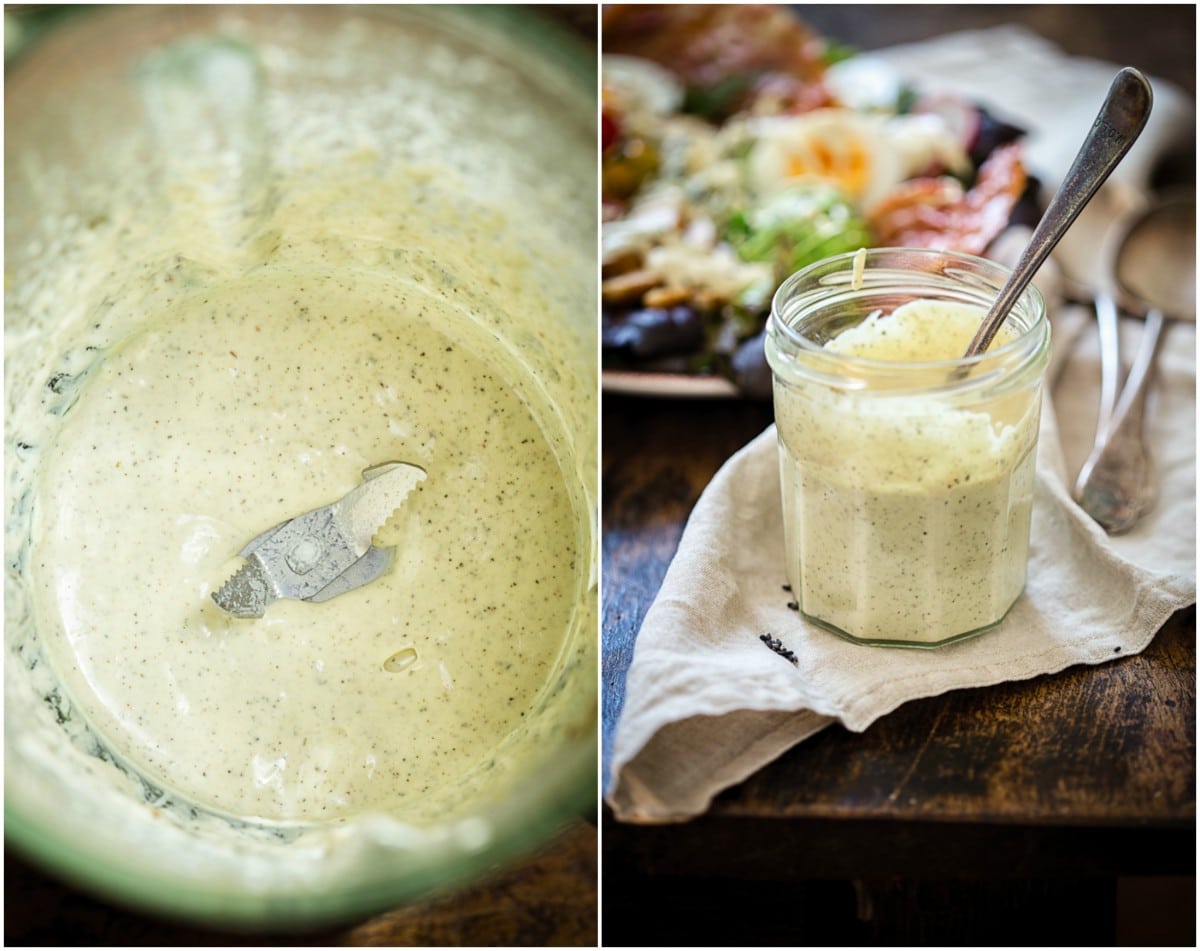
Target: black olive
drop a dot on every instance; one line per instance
(990, 135)
(654, 331)
(751, 374)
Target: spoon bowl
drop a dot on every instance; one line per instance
(1155, 277)
(1156, 262)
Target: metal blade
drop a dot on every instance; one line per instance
(324, 552)
(308, 552)
(256, 542)
(372, 565)
(248, 592)
(365, 510)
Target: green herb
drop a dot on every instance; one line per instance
(798, 227)
(905, 100)
(721, 99)
(835, 52)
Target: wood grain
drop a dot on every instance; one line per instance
(653, 470)
(954, 818)
(1104, 744)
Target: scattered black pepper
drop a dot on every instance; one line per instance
(777, 646)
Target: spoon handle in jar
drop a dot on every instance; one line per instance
(1116, 485)
(1117, 126)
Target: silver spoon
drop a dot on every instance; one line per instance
(1108, 326)
(1155, 275)
(1118, 124)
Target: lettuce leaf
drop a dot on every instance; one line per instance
(798, 227)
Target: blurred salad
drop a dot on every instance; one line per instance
(739, 146)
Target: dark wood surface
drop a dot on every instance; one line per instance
(1068, 800)
(1106, 745)
(1084, 778)
(547, 899)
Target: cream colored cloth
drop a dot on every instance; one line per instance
(707, 704)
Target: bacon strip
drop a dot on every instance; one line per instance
(937, 213)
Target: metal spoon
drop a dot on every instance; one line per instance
(1156, 276)
(1118, 124)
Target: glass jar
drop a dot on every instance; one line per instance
(907, 471)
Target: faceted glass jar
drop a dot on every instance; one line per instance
(907, 486)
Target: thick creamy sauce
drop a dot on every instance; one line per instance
(906, 516)
(247, 405)
(271, 280)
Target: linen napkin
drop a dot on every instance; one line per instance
(707, 704)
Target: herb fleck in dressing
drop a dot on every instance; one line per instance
(249, 403)
(906, 516)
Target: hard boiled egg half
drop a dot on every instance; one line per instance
(865, 155)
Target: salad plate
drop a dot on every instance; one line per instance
(739, 146)
(669, 385)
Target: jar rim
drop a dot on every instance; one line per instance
(1031, 297)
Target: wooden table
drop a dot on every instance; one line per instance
(1068, 800)
(1059, 792)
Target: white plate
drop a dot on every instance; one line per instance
(679, 385)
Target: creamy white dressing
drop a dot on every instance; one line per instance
(271, 285)
(252, 403)
(906, 515)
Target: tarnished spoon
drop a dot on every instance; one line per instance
(1120, 121)
(1156, 276)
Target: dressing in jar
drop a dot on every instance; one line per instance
(907, 471)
